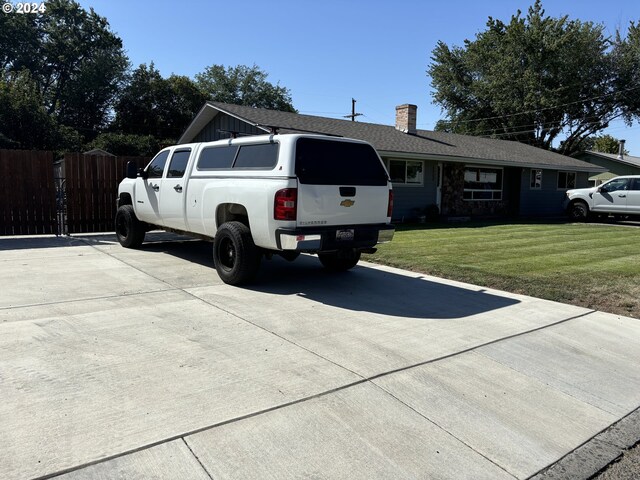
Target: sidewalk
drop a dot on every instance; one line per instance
(142, 364)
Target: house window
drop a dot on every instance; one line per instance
(482, 183)
(535, 182)
(406, 172)
(566, 180)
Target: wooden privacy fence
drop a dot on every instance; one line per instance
(27, 193)
(91, 185)
(79, 198)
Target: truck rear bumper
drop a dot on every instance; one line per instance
(327, 239)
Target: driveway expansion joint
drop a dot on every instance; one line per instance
(596, 454)
(406, 405)
(184, 440)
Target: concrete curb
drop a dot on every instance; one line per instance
(596, 454)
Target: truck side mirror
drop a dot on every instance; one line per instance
(132, 170)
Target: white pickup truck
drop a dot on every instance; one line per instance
(263, 195)
(620, 197)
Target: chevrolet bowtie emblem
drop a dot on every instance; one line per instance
(347, 203)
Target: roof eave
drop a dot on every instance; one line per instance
(480, 161)
(611, 157)
(204, 116)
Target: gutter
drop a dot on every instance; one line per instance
(501, 163)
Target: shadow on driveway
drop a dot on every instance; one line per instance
(375, 291)
(360, 289)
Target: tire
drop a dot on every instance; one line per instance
(579, 211)
(129, 230)
(236, 257)
(339, 261)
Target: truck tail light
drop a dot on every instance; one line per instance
(285, 205)
(390, 205)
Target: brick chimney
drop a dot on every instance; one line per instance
(406, 116)
(621, 152)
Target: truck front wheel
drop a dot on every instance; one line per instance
(579, 211)
(236, 257)
(339, 261)
(129, 230)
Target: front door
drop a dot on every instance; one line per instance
(147, 194)
(173, 189)
(612, 196)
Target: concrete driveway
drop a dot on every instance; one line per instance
(117, 363)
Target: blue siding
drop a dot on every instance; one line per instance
(548, 200)
(221, 124)
(408, 198)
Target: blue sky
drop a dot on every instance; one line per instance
(328, 51)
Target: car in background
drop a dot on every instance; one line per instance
(619, 196)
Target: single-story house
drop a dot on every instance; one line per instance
(615, 164)
(460, 174)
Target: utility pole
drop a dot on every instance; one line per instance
(353, 111)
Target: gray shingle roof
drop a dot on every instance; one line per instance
(628, 159)
(388, 141)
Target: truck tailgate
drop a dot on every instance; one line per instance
(341, 205)
(340, 182)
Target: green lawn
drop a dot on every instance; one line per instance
(591, 265)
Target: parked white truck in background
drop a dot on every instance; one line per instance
(263, 195)
(619, 196)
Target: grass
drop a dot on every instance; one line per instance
(591, 265)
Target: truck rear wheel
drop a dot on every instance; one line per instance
(339, 261)
(129, 230)
(236, 257)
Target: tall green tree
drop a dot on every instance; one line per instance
(24, 122)
(75, 62)
(626, 59)
(243, 85)
(150, 104)
(607, 144)
(535, 79)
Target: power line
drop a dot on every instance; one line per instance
(509, 115)
(518, 132)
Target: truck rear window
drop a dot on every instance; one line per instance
(329, 162)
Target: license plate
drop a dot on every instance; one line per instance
(344, 234)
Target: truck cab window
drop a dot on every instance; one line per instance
(178, 163)
(156, 167)
(617, 184)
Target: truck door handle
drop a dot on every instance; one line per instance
(178, 188)
(622, 196)
(155, 187)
